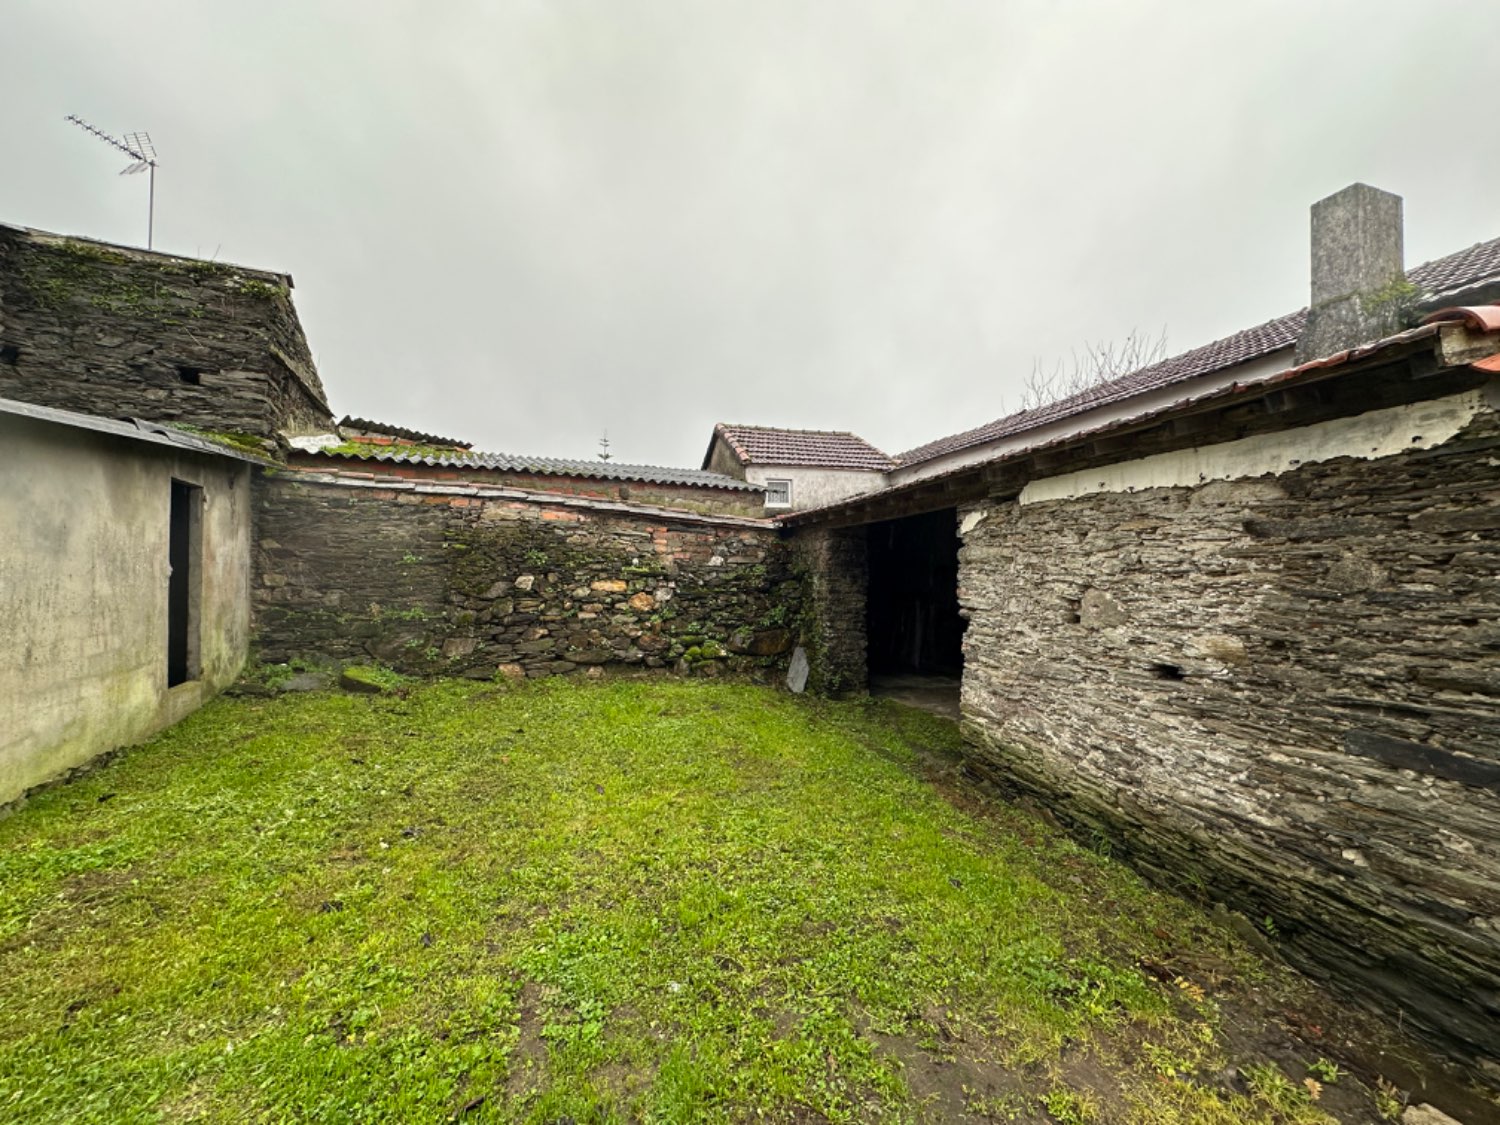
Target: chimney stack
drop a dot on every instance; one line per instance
(1358, 276)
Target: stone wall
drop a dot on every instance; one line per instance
(834, 565)
(1281, 691)
(439, 578)
(128, 333)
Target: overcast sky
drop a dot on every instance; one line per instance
(524, 223)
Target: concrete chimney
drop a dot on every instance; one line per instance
(1358, 275)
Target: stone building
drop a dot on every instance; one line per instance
(119, 332)
(1239, 614)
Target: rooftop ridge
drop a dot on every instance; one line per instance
(1448, 274)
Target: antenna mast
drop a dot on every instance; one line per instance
(142, 153)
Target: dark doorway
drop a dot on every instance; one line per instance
(185, 558)
(913, 626)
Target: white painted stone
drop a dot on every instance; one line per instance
(1425, 1114)
(311, 443)
(1379, 433)
(972, 520)
(796, 674)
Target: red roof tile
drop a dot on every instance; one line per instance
(826, 449)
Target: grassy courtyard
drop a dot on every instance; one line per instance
(604, 902)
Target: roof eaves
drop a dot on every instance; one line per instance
(1364, 351)
(1470, 272)
(134, 429)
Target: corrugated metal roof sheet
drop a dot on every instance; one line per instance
(1465, 268)
(827, 449)
(135, 429)
(546, 466)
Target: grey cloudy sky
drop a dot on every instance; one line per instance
(522, 223)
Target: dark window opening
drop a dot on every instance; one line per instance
(191, 375)
(10, 355)
(184, 583)
(912, 619)
(1168, 672)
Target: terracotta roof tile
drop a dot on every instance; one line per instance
(828, 449)
(1478, 263)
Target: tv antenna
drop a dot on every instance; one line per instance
(142, 155)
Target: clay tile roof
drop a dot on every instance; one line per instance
(1458, 271)
(365, 426)
(827, 449)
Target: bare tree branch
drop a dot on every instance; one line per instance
(1097, 364)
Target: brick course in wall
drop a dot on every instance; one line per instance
(685, 497)
(127, 333)
(444, 579)
(1283, 691)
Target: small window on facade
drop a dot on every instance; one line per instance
(191, 375)
(778, 494)
(10, 355)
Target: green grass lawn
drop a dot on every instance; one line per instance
(592, 902)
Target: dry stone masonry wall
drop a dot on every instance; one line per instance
(834, 564)
(123, 333)
(468, 581)
(1282, 690)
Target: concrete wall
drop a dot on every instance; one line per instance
(812, 488)
(83, 592)
(435, 578)
(1280, 688)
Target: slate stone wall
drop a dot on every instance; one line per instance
(834, 565)
(446, 580)
(123, 333)
(1283, 692)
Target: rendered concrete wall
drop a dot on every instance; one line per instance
(812, 488)
(83, 593)
(1281, 689)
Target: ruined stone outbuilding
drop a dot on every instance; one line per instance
(1235, 613)
(1238, 615)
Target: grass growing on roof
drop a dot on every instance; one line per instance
(672, 902)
